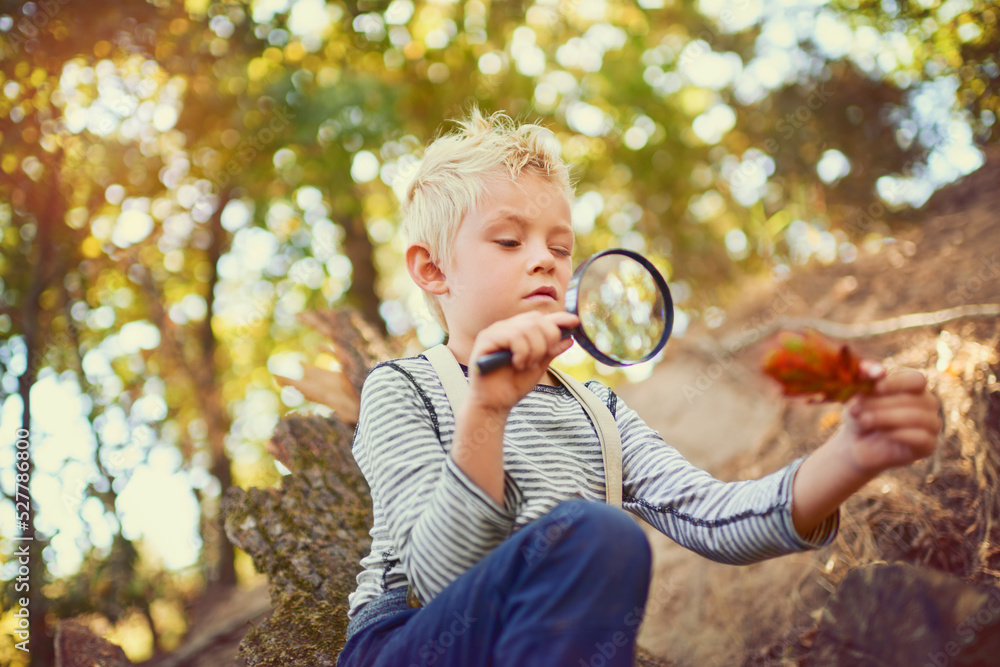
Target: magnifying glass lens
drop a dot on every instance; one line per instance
(621, 309)
(625, 310)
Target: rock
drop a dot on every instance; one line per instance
(77, 646)
(309, 536)
(899, 615)
(304, 630)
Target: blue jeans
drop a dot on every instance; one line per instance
(566, 590)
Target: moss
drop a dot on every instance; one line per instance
(308, 535)
(303, 630)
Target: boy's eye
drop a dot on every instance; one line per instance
(512, 243)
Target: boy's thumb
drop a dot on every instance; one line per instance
(873, 368)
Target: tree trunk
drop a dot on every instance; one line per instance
(216, 417)
(40, 644)
(361, 295)
(310, 534)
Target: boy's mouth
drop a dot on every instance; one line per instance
(543, 292)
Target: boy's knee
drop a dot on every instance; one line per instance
(617, 527)
(600, 527)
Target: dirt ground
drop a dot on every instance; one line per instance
(725, 416)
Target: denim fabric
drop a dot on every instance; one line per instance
(388, 604)
(566, 590)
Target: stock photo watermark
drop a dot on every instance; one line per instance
(22, 552)
(250, 147)
(966, 631)
(31, 24)
(543, 540)
(890, 535)
(432, 650)
(796, 120)
(605, 651)
(261, 310)
(748, 334)
(988, 271)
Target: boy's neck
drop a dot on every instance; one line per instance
(461, 349)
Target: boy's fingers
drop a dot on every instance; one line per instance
(910, 417)
(532, 338)
(907, 380)
(518, 349)
(916, 439)
(564, 318)
(538, 346)
(879, 402)
(542, 334)
(556, 350)
(553, 334)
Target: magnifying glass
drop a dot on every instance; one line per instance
(625, 310)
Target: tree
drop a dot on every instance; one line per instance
(149, 150)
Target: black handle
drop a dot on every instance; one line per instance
(494, 360)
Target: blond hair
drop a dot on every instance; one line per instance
(456, 170)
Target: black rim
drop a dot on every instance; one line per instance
(572, 294)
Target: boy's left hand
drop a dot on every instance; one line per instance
(896, 425)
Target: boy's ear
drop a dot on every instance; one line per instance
(425, 273)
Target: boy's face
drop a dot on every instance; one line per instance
(512, 254)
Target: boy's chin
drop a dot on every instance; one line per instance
(544, 304)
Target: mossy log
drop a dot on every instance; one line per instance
(308, 535)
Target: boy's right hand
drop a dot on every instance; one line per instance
(534, 339)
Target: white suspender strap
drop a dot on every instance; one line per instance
(607, 431)
(456, 386)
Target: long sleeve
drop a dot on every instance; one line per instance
(440, 522)
(729, 522)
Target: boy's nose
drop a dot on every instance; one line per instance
(541, 259)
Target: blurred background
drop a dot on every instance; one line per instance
(180, 180)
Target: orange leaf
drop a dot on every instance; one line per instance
(811, 364)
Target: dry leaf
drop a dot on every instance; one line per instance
(330, 388)
(811, 364)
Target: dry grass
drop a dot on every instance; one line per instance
(940, 513)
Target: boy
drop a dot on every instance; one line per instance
(492, 516)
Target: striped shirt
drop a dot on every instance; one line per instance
(432, 523)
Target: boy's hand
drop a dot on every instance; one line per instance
(895, 426)
(534, 339)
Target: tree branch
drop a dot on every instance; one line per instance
(738, 342)
(168, 330)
